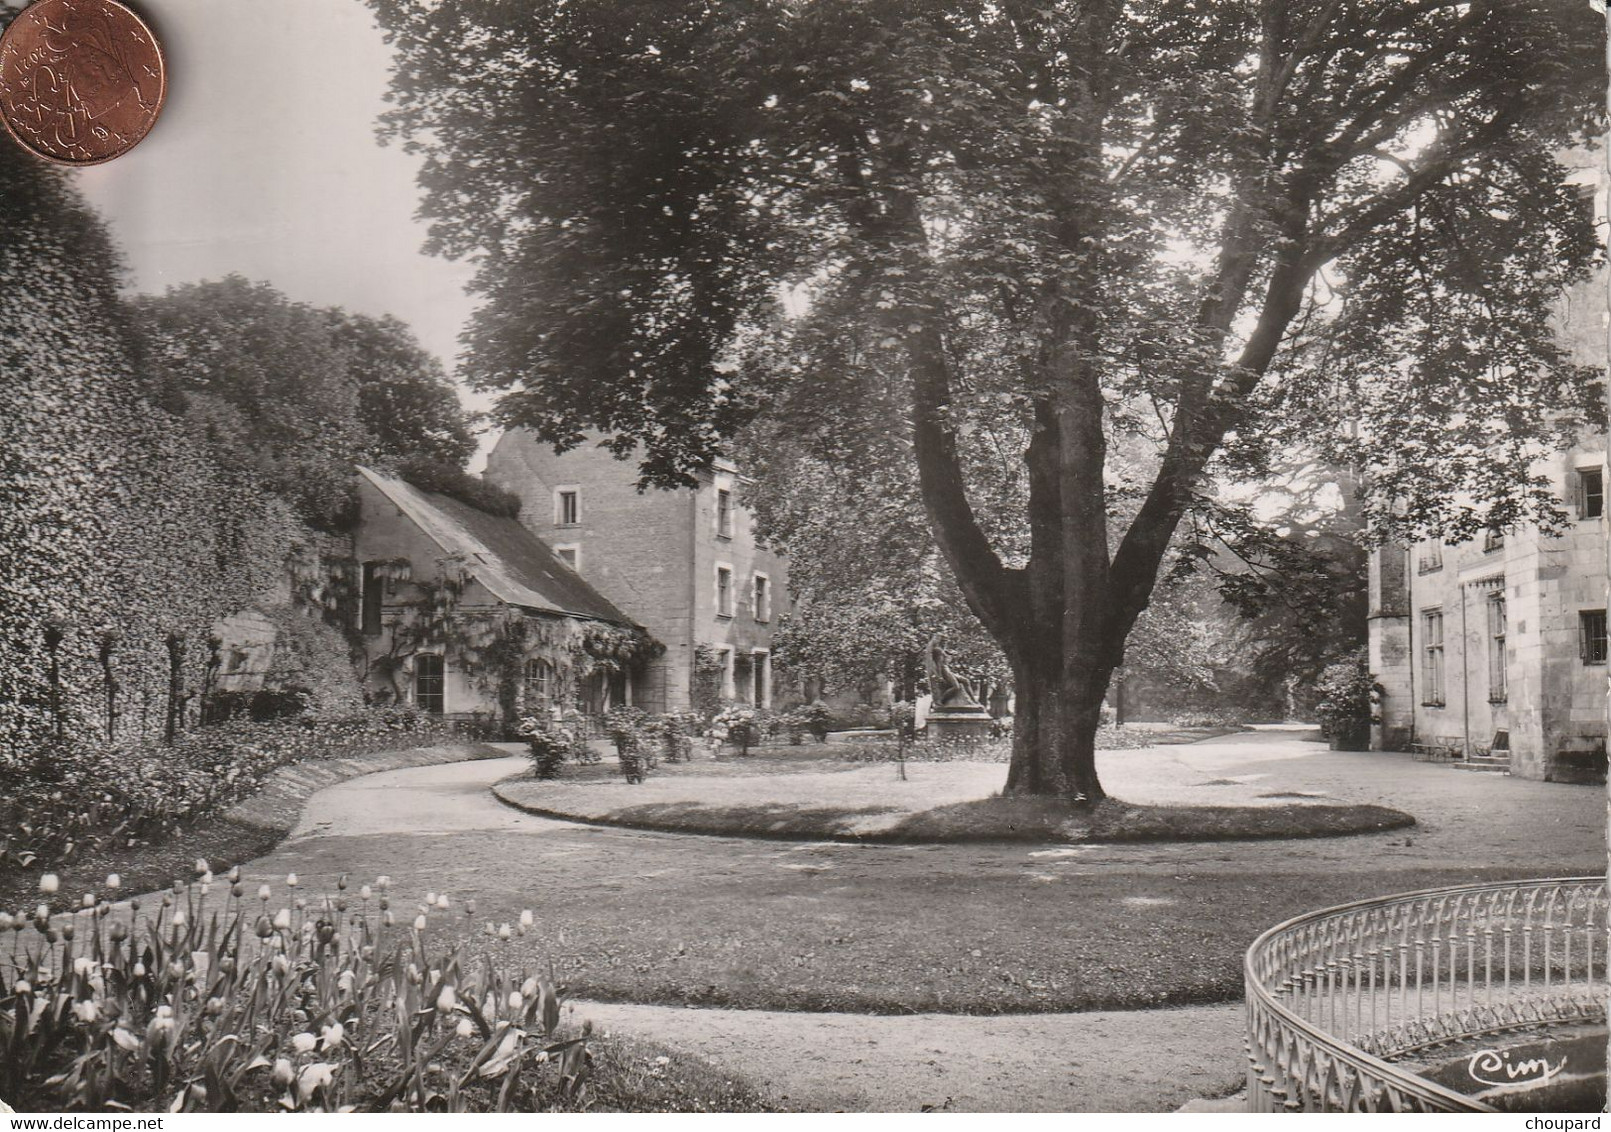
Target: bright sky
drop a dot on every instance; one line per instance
(264, 162)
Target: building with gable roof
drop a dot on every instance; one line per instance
(467, 614)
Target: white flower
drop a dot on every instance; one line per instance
(529, 987)
(504, 931)
(464, 1029)
(419, 923)
(89, 900)
(263, 892)
(516, 1000)
(442, 901)
(331, 1036)
(139, 970)
(430, 899)
(290, 880)
(114, 881)
(49, 883)
(87, 1011)
(364, 893)
(202, 868)
(314, 1076)
(282, 919)
(178, 917)
(283, 1073)
(384, 882)
(304, 1042)
(23, 987)
(447, 1000)
(527, 919)
(345, 982)
(83, 965)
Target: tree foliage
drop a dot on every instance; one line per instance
(1203, 228)
(294, 395)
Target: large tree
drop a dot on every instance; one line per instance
(1201, 225)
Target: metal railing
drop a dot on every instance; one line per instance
(1333, 996)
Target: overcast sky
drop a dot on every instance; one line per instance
(264, 162)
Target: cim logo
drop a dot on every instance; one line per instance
(1495, 1067)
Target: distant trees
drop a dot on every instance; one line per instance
(296, 395)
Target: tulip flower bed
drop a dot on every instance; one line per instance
(76, 798)
(322, 1005)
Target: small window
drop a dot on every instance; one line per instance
(1591, 633)
(429, 685)
(373, 595)
(758, 676)
(1430, 558)
(570, 555)
(1493, 540)
(724, 513)
(763, 598)
(568, 507)
(724, 591)
(1497, 629)
(1590, 493)
(1432, 658)
(539, 684)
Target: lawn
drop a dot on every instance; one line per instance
(797, 793)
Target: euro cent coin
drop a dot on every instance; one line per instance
(81, 81)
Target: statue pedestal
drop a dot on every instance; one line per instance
(958, 721)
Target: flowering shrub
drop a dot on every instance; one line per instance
(320, 1006)
(550, 743)
(75, 796)
(1347, 693)
(636, 746)
(674, 732)
(814, 719)
(741, 726)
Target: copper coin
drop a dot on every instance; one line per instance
(81, 81)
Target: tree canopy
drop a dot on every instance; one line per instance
(298, 394)
(1208, 229)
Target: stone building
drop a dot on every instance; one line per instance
(684, 564)
(466, 614)
(1500, 645)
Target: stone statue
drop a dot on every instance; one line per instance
(947, 688)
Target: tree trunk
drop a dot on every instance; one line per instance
(1054, 733)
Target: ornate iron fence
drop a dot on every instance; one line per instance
(1334, 995)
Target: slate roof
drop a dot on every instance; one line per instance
(515, 565)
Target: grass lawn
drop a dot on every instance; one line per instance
(800, 794)
(945, 943)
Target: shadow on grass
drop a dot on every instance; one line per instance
(997, 819)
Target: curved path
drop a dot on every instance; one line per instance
(438, 828)
(1104, 1061)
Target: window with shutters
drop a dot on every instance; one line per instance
(1590, 493)
(724, 513)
